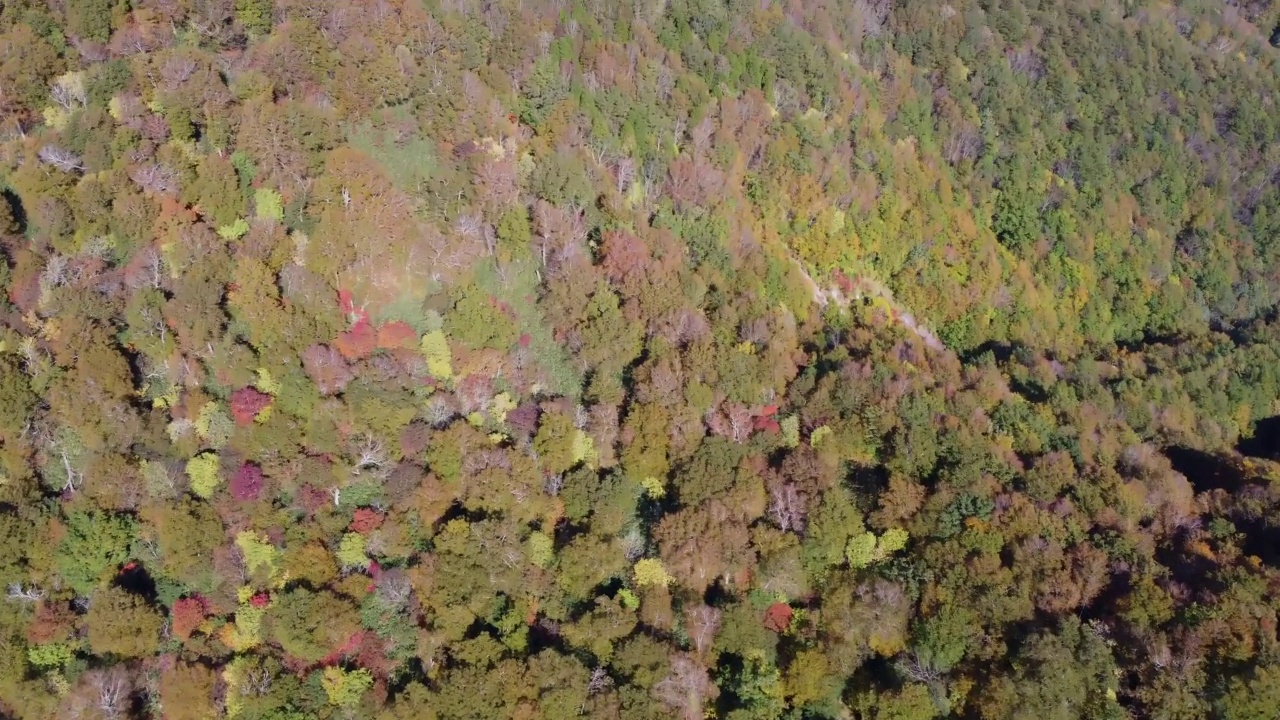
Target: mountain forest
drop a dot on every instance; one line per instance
(614, 359)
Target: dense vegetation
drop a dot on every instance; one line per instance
(755, 359)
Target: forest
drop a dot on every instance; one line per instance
(614, 359)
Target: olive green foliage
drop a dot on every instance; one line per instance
(122, 624)
(89, 19)
(310, 625)
(16, 396)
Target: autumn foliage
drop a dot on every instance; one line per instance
(187, 615)
(778, 617)
(247, 482)
(704, 358)
(246, 403)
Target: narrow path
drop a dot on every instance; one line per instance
(866, 286)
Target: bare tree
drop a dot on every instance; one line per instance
(61, 158)
(68, 94)
(371, 457)
(686, 689)
(470, 224)
(56, 273)
(113, 691)
(919, 669)
(700, 136)
(145, 270)
(561, 234)
(599, 682)
(874, 14)
(732, 420)
(176, 70)
(257, 682)
(394, 588)
(553, 485)
(624, 173)
(440, 409)
(23, 593)
(681, 326)
(155, 178)
(61, 456)
(326, 367)
(787, 507)
(496, 181)
(1025, 62)
(702, 622)
(963, 144)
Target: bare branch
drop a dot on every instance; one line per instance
(21, 593)
(63, 159)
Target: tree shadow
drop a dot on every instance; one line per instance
(15, 210)
(1205, 471)
(1208, 472)
(1265, 442)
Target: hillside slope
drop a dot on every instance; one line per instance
(751, 360)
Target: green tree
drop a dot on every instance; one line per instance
(479, 322)
(351, 551)
(255, 15)
(914, 701)
(90, 19)
(1015, 220)
(941, 640)
(95, 545)
(554, 442)
(832, 527)
(346, 687)
(542, 90)
(1069, 673)
(810, 683)
(205, 475)
(217, 192)
(758, 688)
(514, 233)
(1252, 696)
(187, 533)
(187, 692)
(16, 397)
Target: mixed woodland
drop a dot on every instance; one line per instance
(741, 359)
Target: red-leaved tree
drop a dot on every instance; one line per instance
(247, 483)
(188, 613)
(246, 403)
(365, 520)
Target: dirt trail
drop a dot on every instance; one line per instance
(865, 286)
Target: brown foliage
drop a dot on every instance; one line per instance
(701, 546)
(397, 334)
(187, 691)
(52, 622)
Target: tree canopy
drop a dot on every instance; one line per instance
(708, 358)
